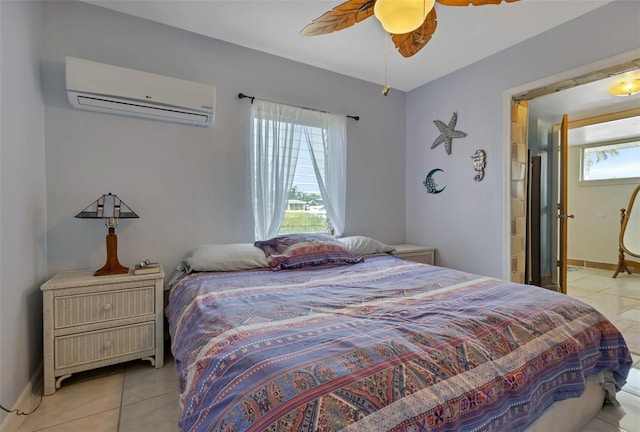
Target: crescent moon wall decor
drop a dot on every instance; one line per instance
(479, 164)
(447, 133)
(430, 183)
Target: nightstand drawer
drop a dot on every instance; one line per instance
(82, 309)
(420, 254)
(421, 257)
(82, 348)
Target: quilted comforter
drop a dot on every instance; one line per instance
(383, 345)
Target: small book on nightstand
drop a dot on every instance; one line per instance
(146, 269)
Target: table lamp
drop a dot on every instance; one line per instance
(110, 208)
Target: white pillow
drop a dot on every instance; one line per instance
(225, 257)
(361, 245)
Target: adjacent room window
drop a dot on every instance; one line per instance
(618, 160)
(298, 170)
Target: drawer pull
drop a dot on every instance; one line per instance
(107, 344)
(107, 306)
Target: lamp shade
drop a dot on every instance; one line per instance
(402, 16)
(626, 88)
(107, 207)
(110, 208)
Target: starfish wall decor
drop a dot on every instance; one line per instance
(447, 133)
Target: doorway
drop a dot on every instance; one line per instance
(602, 175)
(582, 97)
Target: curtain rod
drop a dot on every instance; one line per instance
(244, 96)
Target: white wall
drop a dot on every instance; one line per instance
(466, 222)
(22, 198)
(190, 185)
(593, 234)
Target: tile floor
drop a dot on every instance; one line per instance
(130, 397)
(619, 300)
(135, 397)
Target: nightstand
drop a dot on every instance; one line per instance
(421, 254)
(94, 321)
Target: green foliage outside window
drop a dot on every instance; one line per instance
(301, 222)
(295, 194)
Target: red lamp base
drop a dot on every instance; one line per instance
(112, 266)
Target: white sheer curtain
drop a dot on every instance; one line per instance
(328, 151)
(276, 133)
(275, 136)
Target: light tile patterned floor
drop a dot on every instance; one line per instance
(131, 397)
(619, 300)
(138, 398)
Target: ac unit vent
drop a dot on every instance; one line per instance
(100, 87)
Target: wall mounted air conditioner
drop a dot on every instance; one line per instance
(101, 87)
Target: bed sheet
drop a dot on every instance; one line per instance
(385, 344)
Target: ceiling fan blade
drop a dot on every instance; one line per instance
(340, 17)
(409, 44)
(473, 2)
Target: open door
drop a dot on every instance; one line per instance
(563, 215)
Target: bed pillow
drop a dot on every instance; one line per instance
(301, 250)
(225, 257)
(361, 245)
(277, 245)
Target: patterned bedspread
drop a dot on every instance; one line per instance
(383, 345)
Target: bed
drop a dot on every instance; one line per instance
(383, 344)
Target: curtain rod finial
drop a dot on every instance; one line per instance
(242, 96)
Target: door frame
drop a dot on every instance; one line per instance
(562, 214)
(508, 96)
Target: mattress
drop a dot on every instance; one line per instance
(580, 410)
(385, 344)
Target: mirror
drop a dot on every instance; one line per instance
(629, 240)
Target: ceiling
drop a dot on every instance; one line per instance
(584, 96)
(464, 34)
(605, 117)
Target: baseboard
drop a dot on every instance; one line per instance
(598, 265)
(592, 264)
(27, 401)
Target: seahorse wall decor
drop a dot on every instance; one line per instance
(479, 163)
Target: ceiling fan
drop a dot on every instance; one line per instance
(411, 23)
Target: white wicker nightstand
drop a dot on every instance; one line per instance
(421, 254)
(94, 321)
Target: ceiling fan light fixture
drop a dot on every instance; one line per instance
(626, 88)
(402, 16)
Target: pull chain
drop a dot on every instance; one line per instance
(385, 90)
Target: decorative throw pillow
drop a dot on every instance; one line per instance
(361, 245)
(278, 244)
(225, 257)
(300, 250)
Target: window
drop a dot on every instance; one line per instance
(619, 160)
(305, 212)
(298, 170)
